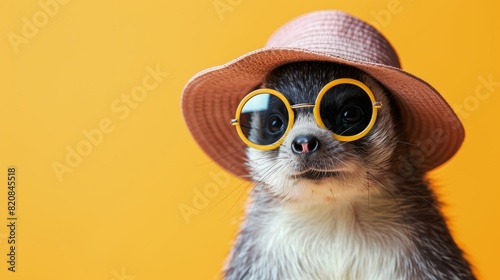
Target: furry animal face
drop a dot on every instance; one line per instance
(324, 169)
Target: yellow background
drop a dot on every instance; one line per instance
(116, 214)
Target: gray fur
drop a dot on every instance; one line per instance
(370, 222)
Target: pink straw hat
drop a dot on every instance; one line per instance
(211, 97)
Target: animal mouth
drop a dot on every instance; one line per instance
(312, 174)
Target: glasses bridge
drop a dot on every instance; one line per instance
(302, 105)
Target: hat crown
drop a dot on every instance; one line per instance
(338, 34)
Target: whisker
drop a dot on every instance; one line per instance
(237, 188)
(333, 196)
(250, 214)
(368, 190)
(257, 183)
(399, 206)
(425, 199)
(407, 143)
(237, 200)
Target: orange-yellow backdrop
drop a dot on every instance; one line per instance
(91, 120)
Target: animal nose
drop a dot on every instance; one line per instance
(304, 144)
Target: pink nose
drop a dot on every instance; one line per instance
(305, 147)
(305, 144)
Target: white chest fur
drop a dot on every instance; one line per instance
(334, 242)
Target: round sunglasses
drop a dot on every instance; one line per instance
(346, 107)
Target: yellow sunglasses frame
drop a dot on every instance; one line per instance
(291, 118)
(316, 111)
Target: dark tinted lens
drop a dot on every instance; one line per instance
(346, 109)
(264, 119)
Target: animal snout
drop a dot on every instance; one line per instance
(304, 144)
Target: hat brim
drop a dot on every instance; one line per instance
(211, 97)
